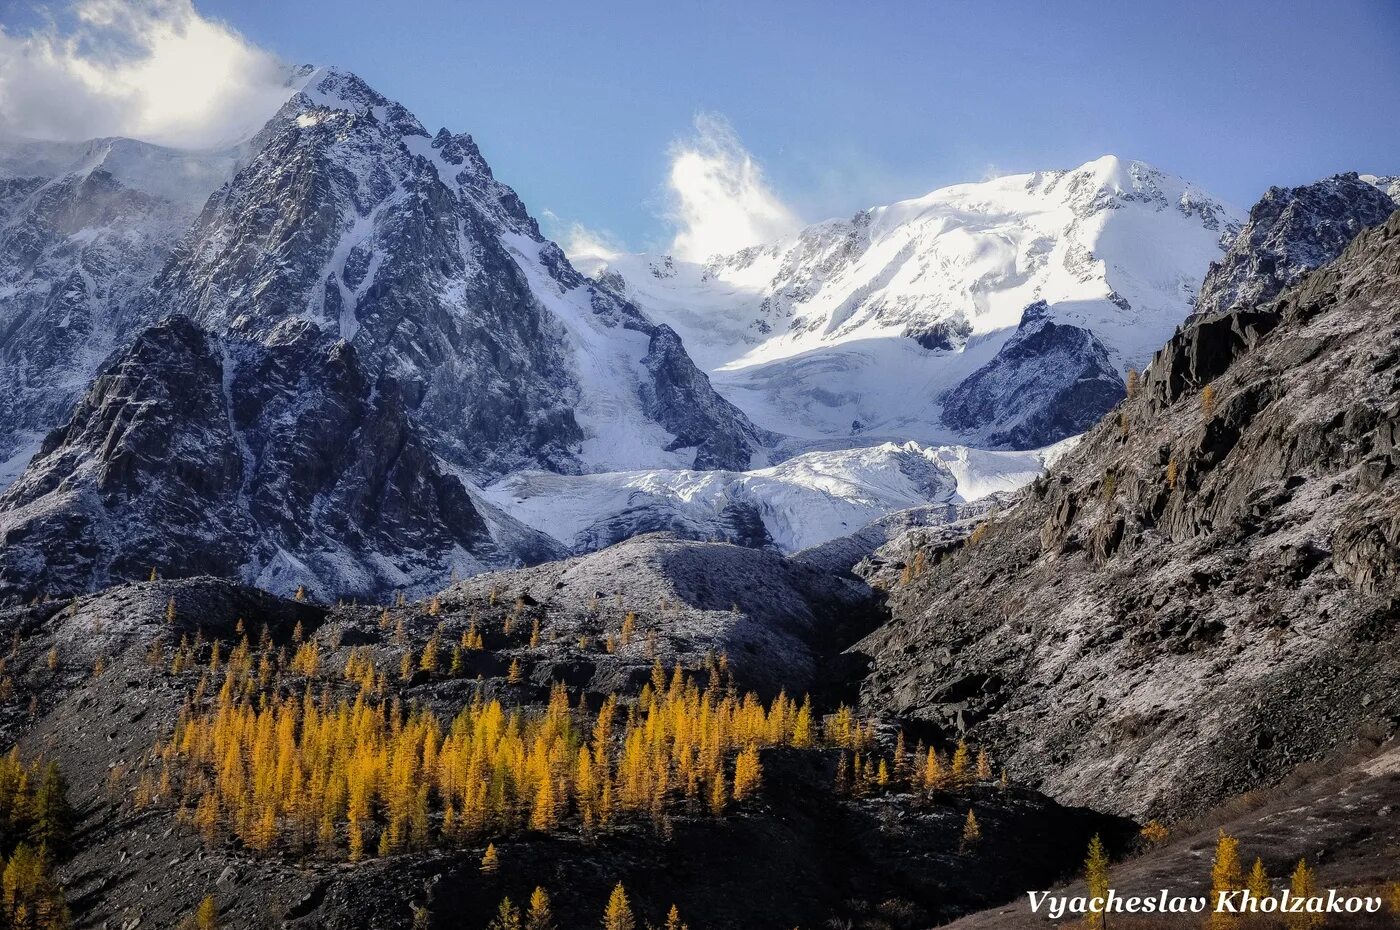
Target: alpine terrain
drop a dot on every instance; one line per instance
(1000, 313)
(368, 562)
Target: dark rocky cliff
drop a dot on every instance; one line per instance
(1201, 595)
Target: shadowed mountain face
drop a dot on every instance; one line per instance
(83, 229)
(1199, 596)
(278, 461)
(1048, 381)
(1290, 232)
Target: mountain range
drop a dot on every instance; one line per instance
(910, 321)
(348, 345)
(366, 560)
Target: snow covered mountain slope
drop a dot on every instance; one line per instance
(83, 229)
(360, 323)
(856, 329)
(802, 502)
(353, 218)
(1390, 183)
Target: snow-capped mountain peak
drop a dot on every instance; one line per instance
(855, 329)
(354, 218)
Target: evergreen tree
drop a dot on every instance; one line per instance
(618, 915)
(540, 916)
(1303, 884)
(962, 758)
(984, 766)
(207, 917)
(507, 917)
(673, 920)
(1153, 833)
(1258, 882)
(748, 772)
(1096, 877)
(972, 831)
(802, 724)
(1226, 875)
(51, 816)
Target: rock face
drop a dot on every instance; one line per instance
(279, 461)
(776, 618)
(1290, 232)
(1201, 595)
(405, 245)
(1048, 381)
(83, 228)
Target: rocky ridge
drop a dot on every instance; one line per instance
(1199, 596)
(278, 461)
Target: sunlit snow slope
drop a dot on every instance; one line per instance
(855, 329)
(805, 501)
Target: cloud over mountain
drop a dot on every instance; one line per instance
(721, 201)
(155, 70)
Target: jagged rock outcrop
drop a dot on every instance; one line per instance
(1050, 380)
(83, 228)
(1200, 596)
(1291, 231)
(279, 461)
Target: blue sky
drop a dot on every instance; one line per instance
(580, 106)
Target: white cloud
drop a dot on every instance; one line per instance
(149, 69)
(580, 241)
(720, 200)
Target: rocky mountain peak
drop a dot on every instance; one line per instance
(355, 281)
(1290, 231)
(1048, 381)
(279, 461)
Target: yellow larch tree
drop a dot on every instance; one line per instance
(618, 915)
(972, 831)
(1303, 884)
(1226, 875)
(539, 916)
(1096, 877)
